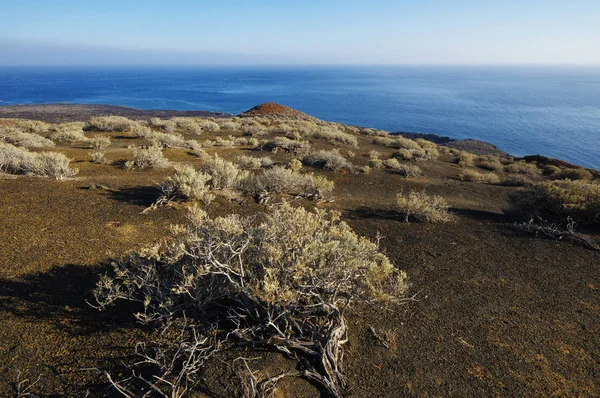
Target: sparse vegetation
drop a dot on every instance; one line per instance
(406, 170)
(523, 168)
(419, 206)
(281, 180)
(68, 132)
(475, 176)
(574, 174)
(97, 157)
(187, 184)
(17, 137)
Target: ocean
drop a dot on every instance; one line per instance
(552, 111)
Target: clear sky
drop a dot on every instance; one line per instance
(300, 32)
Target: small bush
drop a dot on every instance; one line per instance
(475, 176)
(110, 123)
(248, 162)
(224, 174)
(168, 126)
(99, 142)
(147, 157)
(550, 170)
(376, 163)
(329, 160)
(466, 159)
(68, 132)
(523, 168)
(188, 184)
(15, 160)
(266, 162)
(335, 136)
(141, 131)
(230, 126)
(281, 180)
(421, 207)
(574, 174)
(165, 140)
(402, 154)
(491, 163)
(17, 137)
(556, 201)
(294, 165)
(406, 170)
(187, 125)
(210, 126)
(514, 180)
(285, 144)
(98, 157)
(374, 154)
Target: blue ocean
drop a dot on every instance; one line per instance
(553, 111)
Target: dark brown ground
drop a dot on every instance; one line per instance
(496, 313)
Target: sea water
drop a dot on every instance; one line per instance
(548, 110)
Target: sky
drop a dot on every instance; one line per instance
(186, 32)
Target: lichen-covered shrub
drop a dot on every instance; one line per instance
(188, 184)
(556, 201)
(329, 160)
(281, 283)
(417, 205)
(110, 123)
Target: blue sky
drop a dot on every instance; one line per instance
(300, 32)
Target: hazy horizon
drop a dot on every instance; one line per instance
(351, 32)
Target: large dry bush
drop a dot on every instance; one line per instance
(419, 206)
(574, 173)
(15, 160)
(475, 176)
(556, 201)
(187, 125)
(110, 123)
(329, 160)
(523, 168)
(280, 282)
(99, 142)
(281, 180)
(16, 136)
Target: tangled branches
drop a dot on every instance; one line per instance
(281, 284)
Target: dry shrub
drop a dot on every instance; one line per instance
(97, 157)
(168, 126)
(406, 170)
(426, 143)
(556, 201)
(550, 170)
(514, 180)
(99, 142)
(285, 144)
(147, 157)
(140, 130)
(417, 205)
(29, 126)
(578, 173)
(230, 125)
(335, 136)
(294, 165)
(187, 125)
(365, 169)
(281, 180)
(402, 154)
(475, 176)
(17, 137)
(110, 123)
(15, 160)
(167, 140)
(374, 154)
(224, 174)
(248, 162)
(187, 184)
(329, 160)
(466, 159)
(523, 168)
(376, 163)
(209, 126)
(68, 132)
(281, 284)
(491, 163)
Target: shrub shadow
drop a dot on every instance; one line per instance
(369, 212)
(140, 196)
(61, 297)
